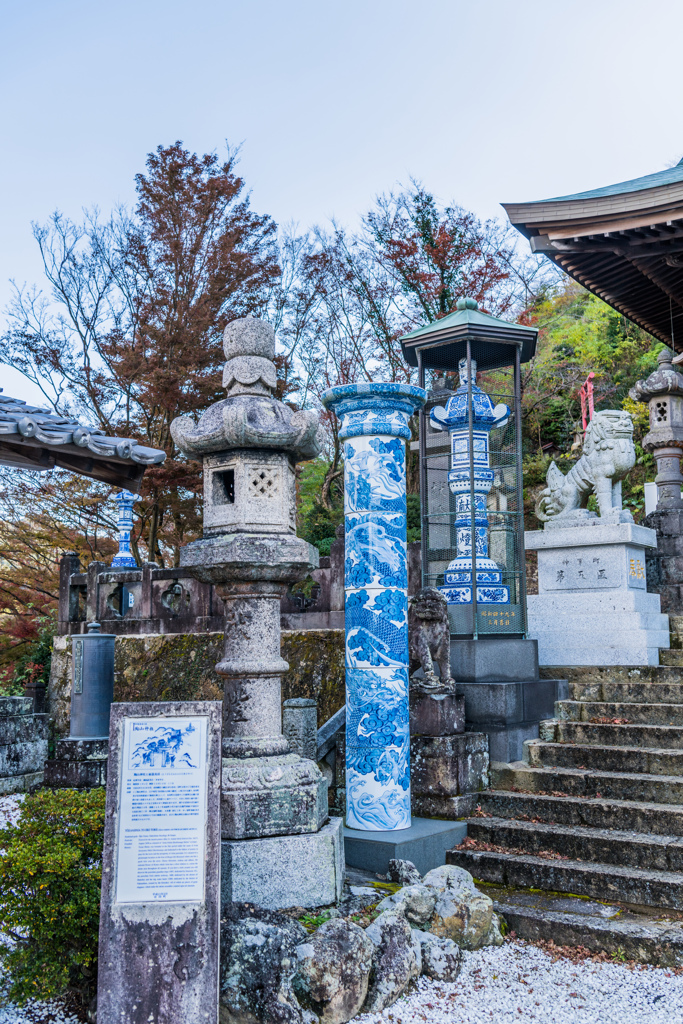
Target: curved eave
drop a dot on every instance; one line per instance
(36, 439)
(620, 247)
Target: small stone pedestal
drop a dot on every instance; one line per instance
(448, 766)
(78, 764)
(592, 606)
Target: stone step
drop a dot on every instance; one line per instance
(581, 843)
(641, 938)
(594, 812)
(626, 786)
(606, 712)
(599, 881)
(630, 759)
(660, 737)
(635, 692)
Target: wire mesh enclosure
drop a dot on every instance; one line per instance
(471, 468)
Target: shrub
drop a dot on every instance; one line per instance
(50, 877)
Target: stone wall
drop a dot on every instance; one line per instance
(23, 745)
(181, 666)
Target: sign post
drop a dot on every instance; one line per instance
(160, 910)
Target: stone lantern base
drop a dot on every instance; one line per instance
(665, 562)
(285, 871)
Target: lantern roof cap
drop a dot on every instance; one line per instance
(444, 342)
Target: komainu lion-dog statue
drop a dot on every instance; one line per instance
(608, 455)
(430, 637)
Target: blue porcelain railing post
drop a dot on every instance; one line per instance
(124, 523)
(374, 426)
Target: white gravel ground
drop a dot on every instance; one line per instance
(517, 982)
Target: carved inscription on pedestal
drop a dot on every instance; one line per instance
(591, 568)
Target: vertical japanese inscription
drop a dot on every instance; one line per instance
(78, 665)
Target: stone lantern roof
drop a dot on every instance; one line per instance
(250, 417)
(663, 391)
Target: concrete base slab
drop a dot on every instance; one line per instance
(424, 843)
(285, 871)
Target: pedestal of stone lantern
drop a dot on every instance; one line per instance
(279, 847)
(663, 391)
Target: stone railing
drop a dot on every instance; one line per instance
(155, 600)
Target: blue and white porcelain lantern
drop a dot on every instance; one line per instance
(454, 417)
(124, 558)
(374, 422)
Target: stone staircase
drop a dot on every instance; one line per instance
(596, 811)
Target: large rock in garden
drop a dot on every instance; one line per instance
(441, 958)
(395, 960)
(461, 912)
(415, 902)
(333, 971)
(404, 872)
(258, 961)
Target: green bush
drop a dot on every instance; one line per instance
(50, 878)
(324, 546)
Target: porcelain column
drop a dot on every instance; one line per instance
(374, 422)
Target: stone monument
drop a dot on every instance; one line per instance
(448, 765)
(160, 911)
(663, 391)
(592, 606)
(279, 849)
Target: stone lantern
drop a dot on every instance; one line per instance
(663, 391)
(249, 444)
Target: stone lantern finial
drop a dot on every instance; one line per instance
(249, 346)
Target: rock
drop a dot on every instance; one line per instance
(416, 902)
(404, 872)
(461, 912)
(394, 962)
(441, 958)
(258, 961)
(447, 876)
(333, 971)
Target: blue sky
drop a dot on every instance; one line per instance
(333, 102)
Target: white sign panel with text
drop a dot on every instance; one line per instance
(162, 810)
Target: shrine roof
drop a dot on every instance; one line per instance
(623, 242)
(39, 439)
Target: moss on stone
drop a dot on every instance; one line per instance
(181, 666)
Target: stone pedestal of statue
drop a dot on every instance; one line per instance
(592, 606)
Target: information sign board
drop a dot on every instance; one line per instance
(160, 910)
(162, 810)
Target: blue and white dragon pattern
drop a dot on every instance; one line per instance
(374, 425)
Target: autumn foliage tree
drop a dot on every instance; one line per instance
(129, 335)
